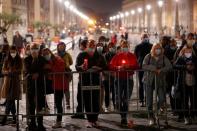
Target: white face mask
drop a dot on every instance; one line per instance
(187, 55)
(48, 57)
(158, 51)
(99, 49)
(13, 55)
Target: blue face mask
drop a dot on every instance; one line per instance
(125, 49)
(61, 53)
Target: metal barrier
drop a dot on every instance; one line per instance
(122, 88)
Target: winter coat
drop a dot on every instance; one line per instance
(125, 60)
(87, 78)
(180, 65)
(11, 89)
(18, 41)
(141, 51)
(150, 64)
(67, 60)
(60, 81)
(32, 67)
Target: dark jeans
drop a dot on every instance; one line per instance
(141, 86)
(109, 88)
(189, 95)
(10, 107)
(80, 105)
(92, 104)
(59, 95)
(123, 91)
(35, 99)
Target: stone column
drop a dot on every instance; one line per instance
(52, 19)
(36, 15)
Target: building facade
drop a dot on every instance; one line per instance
(31, 11)
(161, 16)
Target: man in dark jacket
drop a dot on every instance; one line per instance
(80, 106)
(34, 65)
(18, 41)
(141, 51)
(89, 61)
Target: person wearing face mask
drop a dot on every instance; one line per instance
(186, 84)
(99, 48)
(170, 48)
(91, 63)
(141, 51)
(61, 51)
(60, 82)
(27, 50)
(156, 66)
(123, 63)
(80, 107)
(11, 90)
(3, 54)
(34, 67)
(108, 81)
(190, 40)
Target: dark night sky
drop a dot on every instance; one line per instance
(101, 8)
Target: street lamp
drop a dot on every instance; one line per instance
(121, 15)
(160, 3)
(133, 12)
(126, 14)
(67, 3)
(148, 7)
(139, 10)
(118, 16)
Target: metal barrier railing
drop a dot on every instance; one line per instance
(123, 93)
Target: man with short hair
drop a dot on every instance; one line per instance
(141, 51)
(34, 65)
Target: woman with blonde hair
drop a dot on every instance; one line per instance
(156, 66)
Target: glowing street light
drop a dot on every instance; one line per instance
(133, 12)
(139, 10)
(110, 18)
(60, 1)
(148, 7)
(71, 7)
(117, 16)
(121, 15)
(126, 14)
(67, 3)
(160, 3)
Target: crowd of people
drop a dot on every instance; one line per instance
(105, 70)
